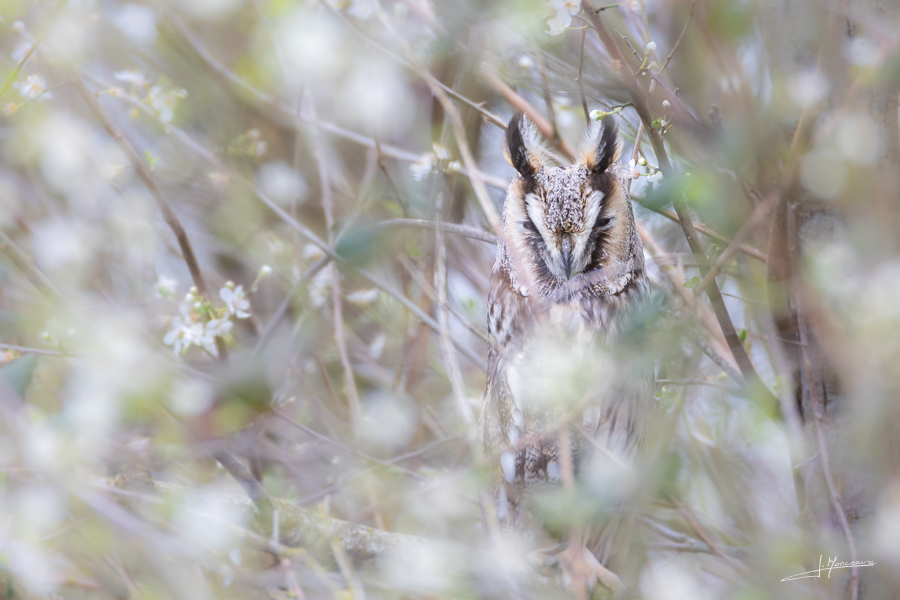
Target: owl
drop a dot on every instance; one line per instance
(569, 270)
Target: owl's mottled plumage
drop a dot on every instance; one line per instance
(569, 268)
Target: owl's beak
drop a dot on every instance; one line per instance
(566, 250)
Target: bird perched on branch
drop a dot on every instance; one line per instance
(561, 407)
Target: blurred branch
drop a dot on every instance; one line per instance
(349, 449)
(307, 233)
(287, 117)
(429, 291)
(676, 278)
(410, 64)
(336, 299)
(812, 388)
(680, 37)
(748, 371)
(684, 543)
(140, 167)
(463, 230)
(704, 535)
(34, 46)
(584, 106)
(283, 307)
(519, 103)
(759, 214)
(454, 374)
(752, 252)
(459, 133)
(25, 349)
(24, 263)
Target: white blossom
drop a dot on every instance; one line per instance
(132, 76)
(650, 47)
(655, 177)
(219, 327)
(166, 287)
(163, 102)
(422, 167)
(556, 26)
(320, 287)
(363, 297)
(564, 11)
(632, 170)
(235, 301)
(441, 152)
(33, 87)
(312, 252)
(180, 335)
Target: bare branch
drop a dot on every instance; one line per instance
(453, 371)
(687, 225)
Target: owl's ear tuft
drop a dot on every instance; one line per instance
(522, 146)
(602, 145)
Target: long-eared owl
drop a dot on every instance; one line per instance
(568, 272)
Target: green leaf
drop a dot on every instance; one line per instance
(742, 335)
(150, 159)
(692, 283)
(18, 373)
(360, 245)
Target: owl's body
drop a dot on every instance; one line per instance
(569, 271)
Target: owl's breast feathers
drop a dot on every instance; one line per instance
(582, 313)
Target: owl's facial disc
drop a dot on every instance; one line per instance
(564, 213)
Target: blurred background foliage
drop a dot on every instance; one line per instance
(246, 250)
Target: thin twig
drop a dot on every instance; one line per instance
(748, 371)
(812, 389)
(548, 100)
(463, 230)
(756, 217)
(459, 133)
(24, 263)
(519, 103)
(752, 252)
(34, 46)
(453, 371)
(336, 298)
(432, 295)
(584, 106)
(27, 350)
(140, 167)
(708, 539)
(280, 313)
(680, 37)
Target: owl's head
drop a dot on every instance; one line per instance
(560, 222)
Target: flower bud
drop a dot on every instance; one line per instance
(596, 115)
(642, 161)
(265, 271)
(650, 47)
(666, 104)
